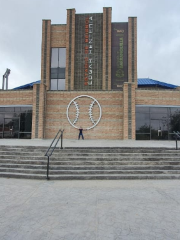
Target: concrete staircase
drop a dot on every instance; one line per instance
(90, 163)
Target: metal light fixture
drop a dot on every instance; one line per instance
(5, 78)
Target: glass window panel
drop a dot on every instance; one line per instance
(174, 121)
(9, 109)
(23, 109)
(1, 121)
(142, 123)
(158, 110)
(62, 57)
(9, 115)
(142, 136)
(159, 116)
(54, 73)
(54, 57)
(61, 84)
(17, 109)
(2, 109)
(142, 109)
(61, 73)
(174, 109)
(25, 135)
(53, 84)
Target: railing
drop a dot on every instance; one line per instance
(177, 134)
(51, 148)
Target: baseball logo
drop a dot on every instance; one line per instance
(84, 111)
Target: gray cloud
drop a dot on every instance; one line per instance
(158, 34)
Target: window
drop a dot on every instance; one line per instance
(58, 68)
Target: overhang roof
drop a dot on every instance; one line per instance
(142, 82)
(147, 82)
(27, 86)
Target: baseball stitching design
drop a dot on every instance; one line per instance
(77, 112)
(89, 111)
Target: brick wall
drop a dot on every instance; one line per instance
(107, 14)
(70, 45)
(157, 97)
(21, 97)
(58, 36)
(132, 50)
(46, 52)
(109, 127)
(129, 111)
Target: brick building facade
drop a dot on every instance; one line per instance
(90, 56)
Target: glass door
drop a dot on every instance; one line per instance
(159, 130)
(11, 128)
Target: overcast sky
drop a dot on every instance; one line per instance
(158, 34)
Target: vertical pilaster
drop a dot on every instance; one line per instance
(107, 13)
(129, 111)
(70, 49)
(132, 50)
(46, 53)
(35, 110)
(39, 107)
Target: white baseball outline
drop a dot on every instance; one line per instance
(73, 100)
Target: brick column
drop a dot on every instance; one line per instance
(129, 127)
(70, 49)
(106, 83)
(132, 50)
(46, 53)
(39, 107)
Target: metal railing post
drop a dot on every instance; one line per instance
(48, 169)
(50, 150)
(62, 140)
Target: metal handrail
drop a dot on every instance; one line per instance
(177, 134)
(48, 153)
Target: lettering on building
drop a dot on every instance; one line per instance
(88, 50)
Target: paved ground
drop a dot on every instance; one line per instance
(89, 210)
(91, 143)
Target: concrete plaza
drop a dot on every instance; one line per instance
(89, 210)
(91, 143)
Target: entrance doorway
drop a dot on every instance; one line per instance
(159, 130)
(11, 128)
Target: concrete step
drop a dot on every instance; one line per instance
(92, 167)
(90, 163)
(93, 177)
(86, 162)
(92, 172)
(93, 157)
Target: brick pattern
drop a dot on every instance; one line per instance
(58, 36)
(39, 111)
(107, 12)
(35, 111)
(132, 50)
(42, 111)
(46, 52)
(158, 97)
(129, 111)
(20, 97)
(70, 49)
(109, 127)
